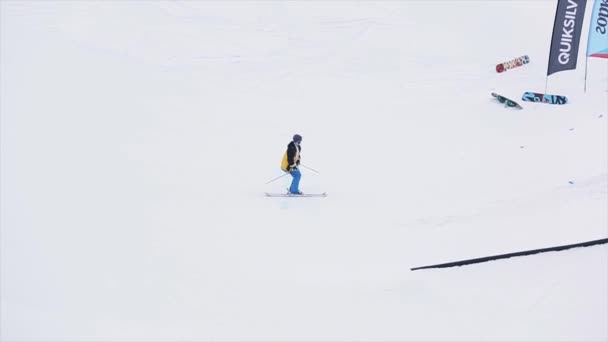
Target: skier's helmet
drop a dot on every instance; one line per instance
(297, 138)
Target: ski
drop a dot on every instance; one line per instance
(271, 194)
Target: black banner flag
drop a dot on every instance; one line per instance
(566, 35)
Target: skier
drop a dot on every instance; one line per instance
(291, 160)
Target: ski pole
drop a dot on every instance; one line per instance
(270, 181)
(311, 169)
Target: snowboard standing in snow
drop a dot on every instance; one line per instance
(544, 98)
(514, 63)
(506, 101)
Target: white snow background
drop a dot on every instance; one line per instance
(137, 138)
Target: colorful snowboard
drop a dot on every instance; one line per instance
(544, 98)
(517, 62)
(506, 101)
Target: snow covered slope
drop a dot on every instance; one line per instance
(136, 138)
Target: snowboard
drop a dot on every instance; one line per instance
(506, 101)
(271, 194)
(544, 98)
(514, 63)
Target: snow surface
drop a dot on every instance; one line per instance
(137, 137)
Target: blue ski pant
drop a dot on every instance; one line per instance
(295, 182)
